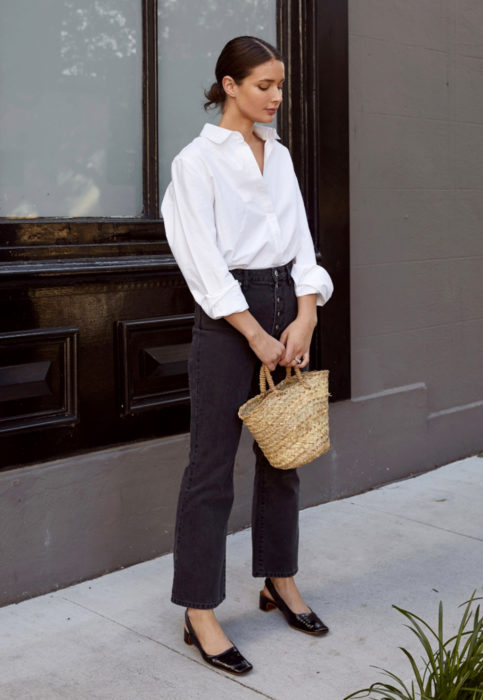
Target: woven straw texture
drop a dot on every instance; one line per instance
(290, 421)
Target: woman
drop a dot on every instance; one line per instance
(236, 224)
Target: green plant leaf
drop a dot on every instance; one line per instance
(452, 670)
(416, 672)
(441, 649)
(419, 632)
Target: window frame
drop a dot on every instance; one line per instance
(46, 237)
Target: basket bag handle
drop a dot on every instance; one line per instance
(266, 379)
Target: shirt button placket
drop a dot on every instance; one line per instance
(277, 301)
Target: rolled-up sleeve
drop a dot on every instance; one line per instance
(309, 278)
(188, 213)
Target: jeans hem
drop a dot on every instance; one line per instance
(276, 574)
(198, 606)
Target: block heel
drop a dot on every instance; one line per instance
(266, 604)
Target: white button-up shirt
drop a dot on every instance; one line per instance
(221, 213)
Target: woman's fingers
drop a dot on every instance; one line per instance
(292, 350)
(268, 349)
(296, 337)
(305, 360)
(272, 363)
(291, 357)
(301, 360)
(289, 353)
(284, 352)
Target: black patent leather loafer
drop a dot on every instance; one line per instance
(230, 660)
(305, 622)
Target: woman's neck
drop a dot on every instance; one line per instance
(244, 126)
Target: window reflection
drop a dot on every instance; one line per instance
(191, 36)
(70, 108)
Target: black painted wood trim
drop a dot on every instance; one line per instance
(68, 414)
(128, 403)
(150, 109)
(297, 114)
(314, 125)
(54, 239)
(333, 185)
(82, 266)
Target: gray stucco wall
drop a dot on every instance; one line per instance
(416, 158)
(416, 164)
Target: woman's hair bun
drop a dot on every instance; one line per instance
(214, 96)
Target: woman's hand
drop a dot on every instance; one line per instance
(297, 336)
(268, 349)
(296, 339)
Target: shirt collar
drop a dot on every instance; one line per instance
(219, 134)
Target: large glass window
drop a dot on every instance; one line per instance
(191, 36)
(71, 108)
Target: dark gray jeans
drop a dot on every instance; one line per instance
(223, 373)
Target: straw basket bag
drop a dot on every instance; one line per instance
(290, 420)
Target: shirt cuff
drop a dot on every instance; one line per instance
(312, 279)
(230, 300)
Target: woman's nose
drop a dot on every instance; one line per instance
(277, 96)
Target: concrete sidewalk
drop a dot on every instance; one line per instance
(118, 637)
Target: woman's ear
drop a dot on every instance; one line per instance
(229, 85)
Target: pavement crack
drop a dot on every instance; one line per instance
(200, 663)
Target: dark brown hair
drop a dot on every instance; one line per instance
(237, 59)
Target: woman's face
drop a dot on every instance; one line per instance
(259, 95)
